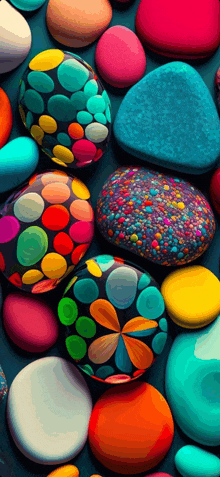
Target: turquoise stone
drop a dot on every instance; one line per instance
(169, 118)
(86, 290)
(34, 101)
(192, 383)
(28, 5)
(191, 461)
(72, 75)
(40, 81)
(150, 303)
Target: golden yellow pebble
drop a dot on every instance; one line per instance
(181, 205)
(65, 471)
(166, 187)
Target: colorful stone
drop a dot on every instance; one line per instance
(60, 103)
(147, 119)
(41, 228)
(193, 386)
(167, 29)
(3, 385)
(114, 56)
(54, 427)
(191, 461)
(131, 428)
(157, 216)
(5, 118)
(192, 296)
(115, 319)
(77, 25)
(28, 5)
(65, 471)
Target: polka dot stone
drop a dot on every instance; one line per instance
(65, 108)
(46, 229)
(115, 318)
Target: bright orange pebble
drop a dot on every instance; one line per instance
(131, 428)
(65, 471)
(5, 118)
(76, 131)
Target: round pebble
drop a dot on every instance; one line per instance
(191, 461)
(9, 228)
(96, 132)
(31, 246)
(29, 207)
(81, 231)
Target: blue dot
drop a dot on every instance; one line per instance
(61, 108)
(86, 290)
(100, 117)
(78, 100)
(158, 342)
(91, 88)
(96, 104)
(33, 101)
(29, 119)
(84, 118)
(64, 139)
(40, 81)
(72, 75)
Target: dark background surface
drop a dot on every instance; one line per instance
(11, 357)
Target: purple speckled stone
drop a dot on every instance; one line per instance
(157, 216)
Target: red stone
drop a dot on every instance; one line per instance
(5, 118)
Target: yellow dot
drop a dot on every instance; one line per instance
(37, 134)
(46, 60)
(80, 189)
(166, 187)
(63, 154)
(72, 281)
(58, 161)
(65, 471)
(48, 124)
(93, 268)
(54, 265)
(32, 276)
(178, 196)
(181, 205)
(174, 203)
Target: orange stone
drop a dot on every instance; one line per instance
(5, 118)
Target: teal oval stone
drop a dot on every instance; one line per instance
(40, 81)
(96, 104)
(34, 101)
(31, 246)
(72, 75)
(28, 5)
(61, 108)
(84, 118)
(191, 461)
(86, 290)
(91, 88)
(150, 303)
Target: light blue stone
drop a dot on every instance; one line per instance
(159, 342)
(191, 461)
(150, 303)
(91, 88)
(18, 160)
(40, 81)
(105, 262)
(100, 118)
(122, 359)
(86, 290)
(96, 104)
(28, 5)
(192, 383)
(64, 139)
(121, 287)
(61, 108)
(169, 118)
(84, 118)
(34, 101)
(144, 281)
(72, 75)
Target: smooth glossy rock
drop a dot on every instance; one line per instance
(65, 108)
(48, 412)
(3, 385)
(110, 295)
(18, 160)
(45, 229)
(214, 190)
(155, 215)
(192, 296)
(29, 323)
(65, 471)
(15, 37)
(120, 57)
(193, 384)
(131, 428)
(191, 461)
(147, 122)
(169, 29)
(28, 5)
(78, 24)
(5, 118)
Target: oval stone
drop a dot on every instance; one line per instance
(191, 461)
(65, 471)
(54, 428)
(121, 287)
(32, 246)
(160, 217)
(192, 384)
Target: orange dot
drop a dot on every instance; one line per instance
(81, 210)
(55, 217)
(75, 131)
(56, 176)
(56, 193)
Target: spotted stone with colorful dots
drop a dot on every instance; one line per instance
(45, 229)
(3, 385)
(160, 217)
(65, 108)
(115, 319)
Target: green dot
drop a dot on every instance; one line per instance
(86, 327)
(86, 368)
(67, 311)
(84, 118)
(96, 104)
(76, 346)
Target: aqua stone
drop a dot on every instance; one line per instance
(144, 281)
(191, 461)
(163, 324)
(64, 139)
(108, 114)
(28, 5)
(40, 81)
(105, 262)
(100, 118)
(61, 108)
(121, 287)
(86, 290)
(33, 101)
(84, 118)
(150, 303)
(79, 100)
(72, 75)
(106, 98)
(96, 104)
(91, 88)
(159, 342)
(31, 246)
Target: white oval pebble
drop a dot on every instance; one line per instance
(49, 407)
(96, 132)
(29, 207)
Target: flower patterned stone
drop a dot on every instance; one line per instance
(45, 229)
(115, 319)
(3, 385)
(65, 108)
(157, 216)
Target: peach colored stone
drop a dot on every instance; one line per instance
(77, 23)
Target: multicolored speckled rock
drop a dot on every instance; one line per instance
(65, 107)
(115, 320)
(3, 384)
(154, 215)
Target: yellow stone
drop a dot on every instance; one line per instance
(48, 124)
(192, 296)
(93, 268)
(46, 60)
(63, 154)
(58, 161)
(65, 471)
(80, 189)
(37, 133)
(32, 276)
(54, 265)
(166, 187)
(181, 205)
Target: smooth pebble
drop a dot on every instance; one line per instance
(191, 461)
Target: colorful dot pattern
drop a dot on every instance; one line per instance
(65, 108)
(115, 321)
(3, 385)
(154, 215)
(45, 229)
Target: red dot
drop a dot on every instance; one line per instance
(82, 231)
(15, 279)
(44, 286)
(79, 252)
(55, 217)
(84, 150)
(99, 154)
(2, 262)
(63, 243)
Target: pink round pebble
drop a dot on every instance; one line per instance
(9, 227)
(82, 231)
(84, 150)
(120, 57)
(29, 322)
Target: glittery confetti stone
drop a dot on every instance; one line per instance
(3, 385)
(168, 234)
(169, 118)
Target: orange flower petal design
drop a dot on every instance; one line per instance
(104, 313)
(139, 353)
(138, 324)
(103, 348)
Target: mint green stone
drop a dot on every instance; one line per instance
(191, 461)
(100, 118)
(31, 246)
(84, 118)
(96, 104)
(91, 88)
